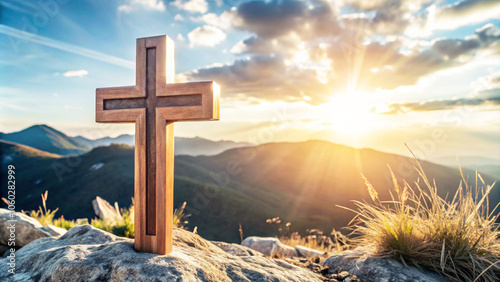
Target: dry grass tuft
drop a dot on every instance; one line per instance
(458, 238)
(338, 243)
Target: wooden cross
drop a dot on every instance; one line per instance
(154, 104)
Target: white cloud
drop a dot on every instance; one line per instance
(180, 38)
(206, 36)
(193, 6)
(225, 21)
(462, 13)
(239, 48)
(73, 73)
(132, 5)
(179, 18)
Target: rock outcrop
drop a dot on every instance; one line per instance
(269, 246)
(54, 230)
(21, 228)
(85, 253)
(358, 262)
(106, 211)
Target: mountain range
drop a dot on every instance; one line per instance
(303, 183)
(48, 139)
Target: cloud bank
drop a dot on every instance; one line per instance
(300, 48)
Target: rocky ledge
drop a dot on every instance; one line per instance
(365, 267)
(85, 253)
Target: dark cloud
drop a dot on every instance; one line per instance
(465, 7)
(267, 77)
(273, 18)
(390, 16)
(454, 48)
(487, 97)
(488, 34)
(259, 45)
(367, 5)
(277, 18)
(396, 68)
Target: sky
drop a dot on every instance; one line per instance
(363, 73)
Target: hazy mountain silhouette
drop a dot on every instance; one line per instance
(183, 146)
(489, 166)
(125, 139)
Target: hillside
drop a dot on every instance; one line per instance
(73, 182)
(319, 175)
(48, 139)
(10, 151)
(299, 182)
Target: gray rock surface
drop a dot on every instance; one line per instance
(308, 252)
(236, 250)
(27, 228)
(377, 269)
(269, 246)
(85, 253)
(54, 230)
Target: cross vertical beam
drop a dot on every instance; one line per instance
(151, 141)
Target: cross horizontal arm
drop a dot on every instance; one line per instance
(122, 115)
(161, 102)
(207, 110)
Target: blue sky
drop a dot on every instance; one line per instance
(363, 73)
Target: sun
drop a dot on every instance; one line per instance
(351, 113)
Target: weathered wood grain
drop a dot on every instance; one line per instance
(151, 141)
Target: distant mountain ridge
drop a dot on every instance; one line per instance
(183, 145)
(48, 139)
(199, 146)
(489, 166)
(125, 139)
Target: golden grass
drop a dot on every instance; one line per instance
(313, 244)
(337, 244)
(457, 238)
